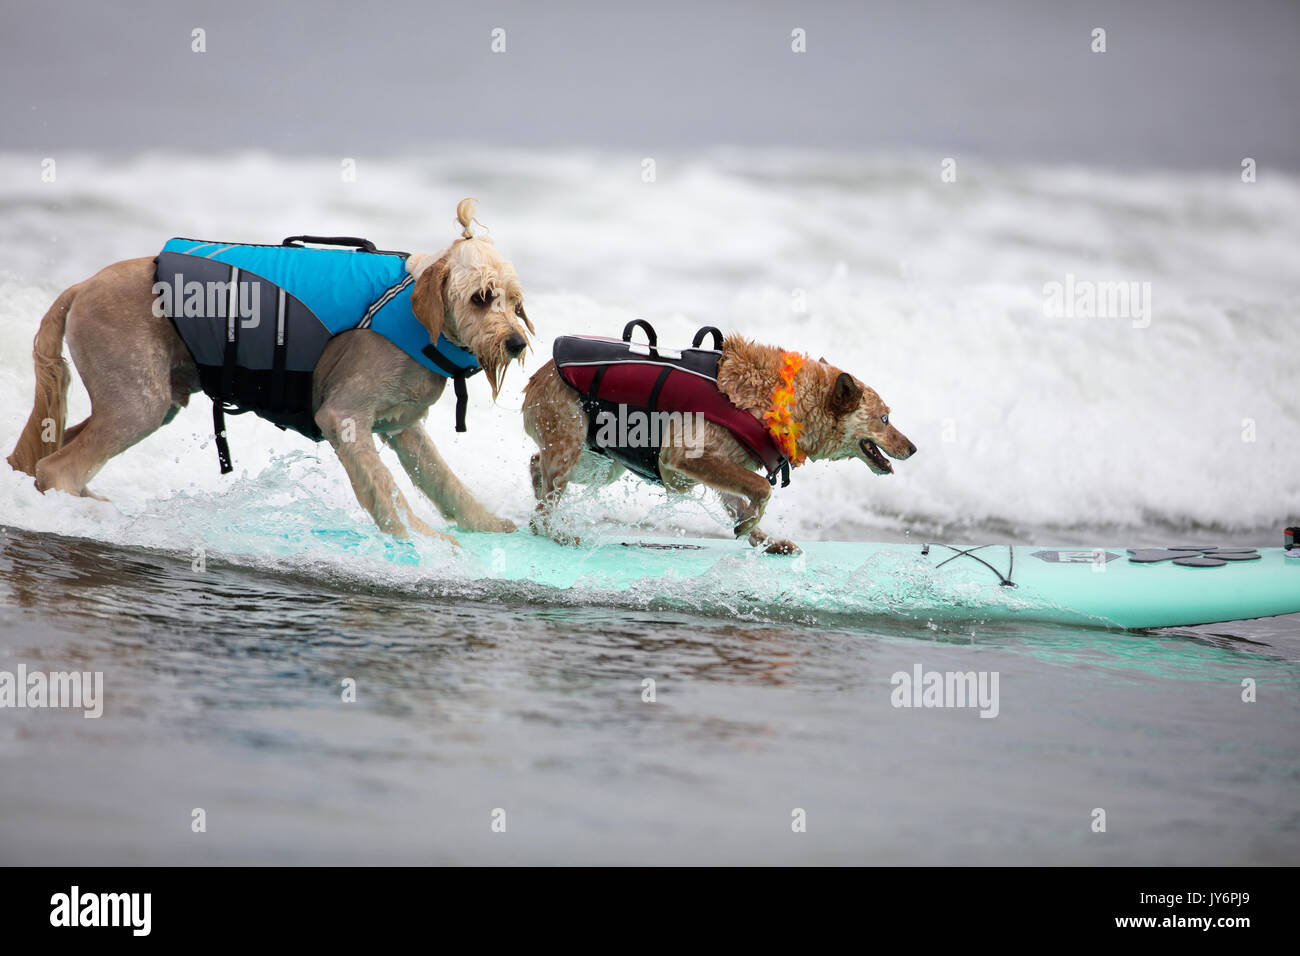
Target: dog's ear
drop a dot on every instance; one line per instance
(845, 395)
(429, 298)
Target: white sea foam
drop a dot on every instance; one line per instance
(933, 293)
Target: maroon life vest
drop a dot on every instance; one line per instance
(621, 383)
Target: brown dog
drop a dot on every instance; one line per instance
(840, 418)
(139, 373)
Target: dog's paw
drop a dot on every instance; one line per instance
(486, 522)
(427, 532)
(772, 545)
(781, 546)
(424, 531)
(541, 525)
(442, 537)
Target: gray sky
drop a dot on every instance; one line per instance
(1184, 83)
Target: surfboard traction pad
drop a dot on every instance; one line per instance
(1183, 555)
(1192, 556)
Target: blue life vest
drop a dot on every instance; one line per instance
(256, 319)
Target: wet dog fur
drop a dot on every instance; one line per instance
(140, 374)
(842, 418)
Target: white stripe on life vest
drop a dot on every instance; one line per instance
(232, 304)
(637, 348)
(383, 300)
(688, 371)
(279, 319)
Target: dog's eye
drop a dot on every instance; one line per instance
(519, 311)
(884, 419)
(482, 298)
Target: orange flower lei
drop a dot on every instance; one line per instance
(779, 418)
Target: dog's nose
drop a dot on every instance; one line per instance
(516, 344)
(911, 449)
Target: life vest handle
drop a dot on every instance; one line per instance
(707, 330)
(650, 335)
(365, 245)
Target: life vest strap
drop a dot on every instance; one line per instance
(223, 446)
(658, 386)
(457, 376)
(229, 357)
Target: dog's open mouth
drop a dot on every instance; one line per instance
(879, 464)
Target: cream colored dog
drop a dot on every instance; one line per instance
(139, 374)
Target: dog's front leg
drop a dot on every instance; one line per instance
(371, 481)
(419, 456)
(744, 493)
(743, 514)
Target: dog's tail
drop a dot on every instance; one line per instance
(43, 433)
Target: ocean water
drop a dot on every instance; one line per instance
(223, 686)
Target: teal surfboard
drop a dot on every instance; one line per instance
(1109, 587)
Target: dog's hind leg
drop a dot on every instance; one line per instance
(535, 475)
(419, 456)
(552, 474)
(126, 357)
(72, 431)
(129, 384)
(554, 419)
(555, 468)
(590, 469)
(112, 428)
(100, 437)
